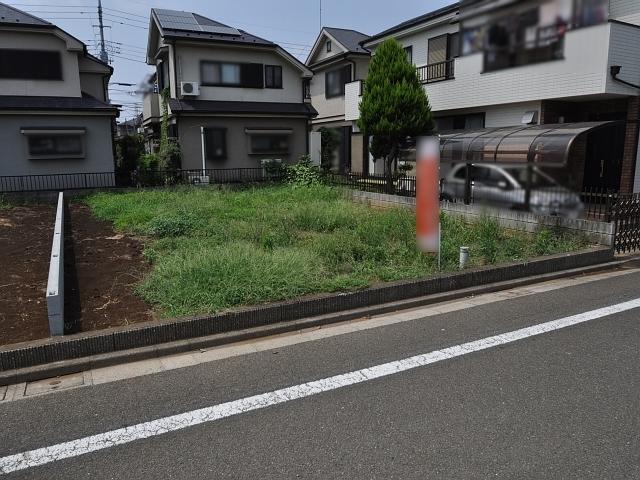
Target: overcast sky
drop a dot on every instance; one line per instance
(294, 24)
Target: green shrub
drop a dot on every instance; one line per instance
(128, 151)
(274, 169)
(304, 173)
(4, 203)
(148, 162)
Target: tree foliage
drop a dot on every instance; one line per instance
(329, 140)
(394, 104)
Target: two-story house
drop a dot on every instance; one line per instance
(55, 116)
(234, 100)
(487, 65)
(337, 59)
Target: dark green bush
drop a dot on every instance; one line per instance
(304, 173)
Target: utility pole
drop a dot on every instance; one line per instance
(320, 14)
(103, 51)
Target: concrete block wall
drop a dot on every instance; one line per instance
(601, 233)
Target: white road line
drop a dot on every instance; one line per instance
(75, 448)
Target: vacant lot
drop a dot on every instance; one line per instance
(26, 232)
(211, 250)
(102, 268)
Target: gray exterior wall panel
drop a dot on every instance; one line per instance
(14, 157)
(237, 140)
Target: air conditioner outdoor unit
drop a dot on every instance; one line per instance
(199, 180)
(190, 89)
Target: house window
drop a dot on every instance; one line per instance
(272, 76)
(335, 80)
(306, 89)
(163, 75)
(269, 142)
(329, 45)
(409, 51)
(55, 144)
(215, 142)
(227, 74)
(30, 64)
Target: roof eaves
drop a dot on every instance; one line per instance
(413, 22)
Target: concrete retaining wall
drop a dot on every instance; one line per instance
(601, 233)
(55, 284)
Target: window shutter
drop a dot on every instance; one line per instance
(30, 64)
(252, 75)
(437, 49)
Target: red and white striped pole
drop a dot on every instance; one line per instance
(428, 195)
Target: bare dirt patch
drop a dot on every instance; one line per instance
(25, 247)
(101, 270)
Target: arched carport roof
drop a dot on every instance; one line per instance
(545, 145)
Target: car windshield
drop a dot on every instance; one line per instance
(538, 179)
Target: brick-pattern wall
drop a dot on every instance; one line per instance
(627, 175)
(623, 109)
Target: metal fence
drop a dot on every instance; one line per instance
(592, 203)
(59, 181)
(139, 178)
(405, 186)
(626, 216)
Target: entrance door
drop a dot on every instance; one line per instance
(603, 160)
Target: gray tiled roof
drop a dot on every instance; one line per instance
(84, 103)
(417, 20)
(214, 106)
(13, 16)
(349, 38)
(198, 29)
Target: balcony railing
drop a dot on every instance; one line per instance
(436, 72)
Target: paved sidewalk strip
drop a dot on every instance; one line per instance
(160, 426)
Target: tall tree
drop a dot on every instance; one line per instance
(394, 104)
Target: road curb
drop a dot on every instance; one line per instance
(54, 369)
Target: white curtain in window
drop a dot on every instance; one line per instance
(230, 73)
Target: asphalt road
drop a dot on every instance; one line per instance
(563, 404)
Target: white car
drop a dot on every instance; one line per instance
(504, 186)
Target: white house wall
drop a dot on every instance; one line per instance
(336, 49)
(624, 50)
(338, 108)
(583, 72)
(625, 11)
(352, 99)
(419, 41)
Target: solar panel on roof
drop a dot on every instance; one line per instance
(220, 30)
(187, 21)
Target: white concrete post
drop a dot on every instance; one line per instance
(55, 284)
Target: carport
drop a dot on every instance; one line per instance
(549, 146)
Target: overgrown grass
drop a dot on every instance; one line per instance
(212, 249)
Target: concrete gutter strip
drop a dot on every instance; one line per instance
(55, 284)
(151, 334)
(67, 367)
(602, 233)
